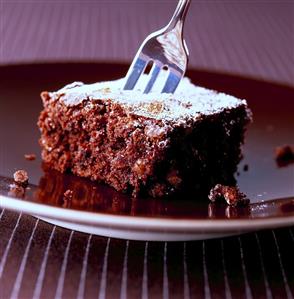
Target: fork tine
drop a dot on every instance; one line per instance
(171, 83)
(164, 48)
(136, 71)
(154, 73)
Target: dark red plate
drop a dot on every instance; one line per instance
(263, 182)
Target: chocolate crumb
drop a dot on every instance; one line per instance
(232, 195)
(21, 177)
(68, 194)
(284, 155)
(245, 167)
(16, 190)
(30, 157)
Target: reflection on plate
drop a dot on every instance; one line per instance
(99, 209)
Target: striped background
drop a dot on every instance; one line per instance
(37, 260)
(253, 37)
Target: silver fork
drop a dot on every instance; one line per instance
(165, 48)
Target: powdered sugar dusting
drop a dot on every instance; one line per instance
(189, 101)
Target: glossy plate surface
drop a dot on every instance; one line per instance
(98, 209)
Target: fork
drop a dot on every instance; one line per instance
(164, 48)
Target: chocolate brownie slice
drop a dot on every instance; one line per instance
(156, 144)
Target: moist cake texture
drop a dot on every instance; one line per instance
(156, 144)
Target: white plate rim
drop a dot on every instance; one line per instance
(143, 223)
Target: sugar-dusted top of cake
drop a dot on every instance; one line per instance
(189, 101)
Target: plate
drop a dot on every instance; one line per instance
(98, 209)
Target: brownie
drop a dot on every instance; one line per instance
(157, 144)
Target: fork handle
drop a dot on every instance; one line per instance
(179, 15)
